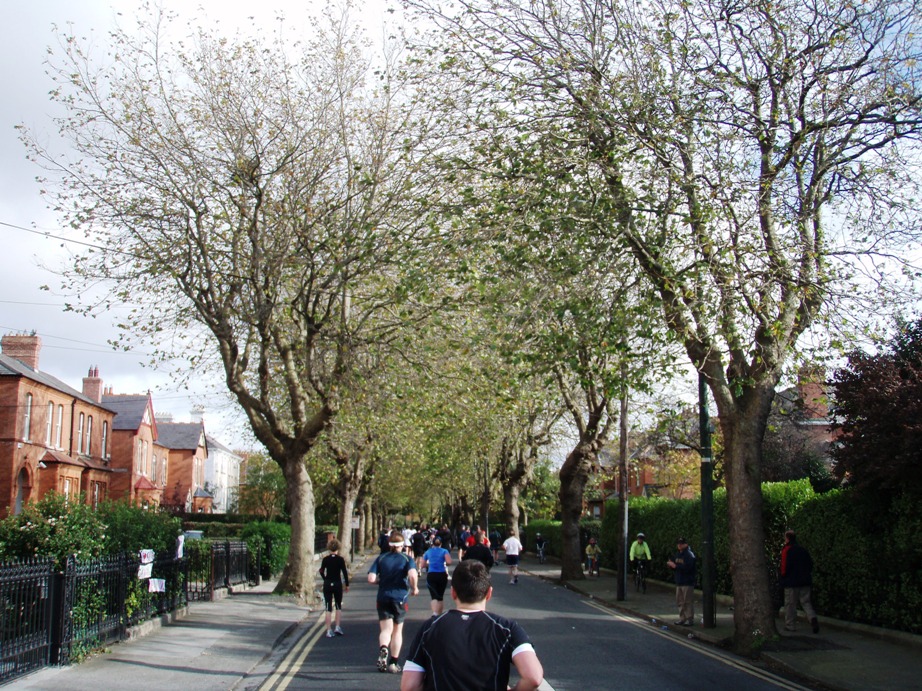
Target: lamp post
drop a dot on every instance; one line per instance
(707, 508)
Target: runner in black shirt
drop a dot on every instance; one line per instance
(491, 644)
(334, 574)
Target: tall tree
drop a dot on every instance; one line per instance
(720, 140)
(256, 199)
(878, 403)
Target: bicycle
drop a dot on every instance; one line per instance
(541, 554)
(592, 564)
(640, 576)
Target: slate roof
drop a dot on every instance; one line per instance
(203, 493)
(130, 409)
(11, 367)
(214, 444)
(179, 435)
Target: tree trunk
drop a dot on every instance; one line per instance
(369, 536)
(297, 577)
(753, 614)
(574, 474)
(484, 504)
(511, 494)
(346, 509)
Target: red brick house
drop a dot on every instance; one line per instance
(187, 450)
(647, 476)
(52, 437)
(135, 450)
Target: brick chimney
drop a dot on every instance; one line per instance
(92, 385)
(23, 347)
(811, 387)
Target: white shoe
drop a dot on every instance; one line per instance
(338, 631)
(330, 633)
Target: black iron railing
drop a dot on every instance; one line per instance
(50, 616)
(26, 590)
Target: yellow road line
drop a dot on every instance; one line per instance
(280, 678)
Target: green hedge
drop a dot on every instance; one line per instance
(274, 539)
(867, 553)
(551, 531)
(57, 527)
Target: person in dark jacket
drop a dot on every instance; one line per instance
(480, 550)
(683, 564)
(335, 578)
(797, 579)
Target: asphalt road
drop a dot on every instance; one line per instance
(581, 644)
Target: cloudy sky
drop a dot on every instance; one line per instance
(72, 344)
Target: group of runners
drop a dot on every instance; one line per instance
(432, 661)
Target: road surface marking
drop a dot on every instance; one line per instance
(292, 662)
(701, 648)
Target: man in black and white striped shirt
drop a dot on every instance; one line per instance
(491, 644)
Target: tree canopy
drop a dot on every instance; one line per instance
(878, 407)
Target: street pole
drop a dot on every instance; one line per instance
(623, 487)
(707, 508)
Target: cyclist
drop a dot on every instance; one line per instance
(640, 559)
(540, 546)
(592, 556)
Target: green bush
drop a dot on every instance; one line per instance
(274, 539)
(57, 527)
(53, 527)
(866, 551)
(131, 528)
(867, 557)
(550, 531)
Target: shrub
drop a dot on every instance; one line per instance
(131, 528)
(550, 531)
(55, 526)
(274, 539)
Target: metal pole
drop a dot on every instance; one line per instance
(707, 509)
(623, 486)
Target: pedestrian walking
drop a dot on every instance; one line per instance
(335, 577)
(513, 548)
(468, 648)
(797, 580)
(396, 576)
(437, 559)
(683, 564)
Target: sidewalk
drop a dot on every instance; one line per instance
(215, 646)
(842, 656)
